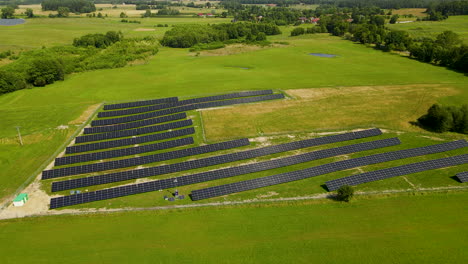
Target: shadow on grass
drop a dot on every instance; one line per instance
(455, 178)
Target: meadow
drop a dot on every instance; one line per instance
(427, 228)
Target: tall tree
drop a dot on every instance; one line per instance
(8, 12)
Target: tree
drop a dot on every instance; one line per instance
(29, 13)
(8, 12)
(438, 118)
(261, 36)
(394, 19)
(448, 39)
(345, 193)
(45, 71)
(123, 15)
(11, 81)
(63, 11)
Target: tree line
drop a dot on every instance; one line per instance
(446, 118)
(186, 36)
(94, 51)
(75, 6)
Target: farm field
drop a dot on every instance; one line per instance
(457, 24)
(341, 78)
(407, 229)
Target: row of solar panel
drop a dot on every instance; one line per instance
(463, 176)
(183, 102)
(129, 141)
(141, 103)
(244, 169)
(123, 152)
(134, 132)
(211, 161)
(124, 163)
(184, 108)
(323, 169)
(146, 122)
(396, 171)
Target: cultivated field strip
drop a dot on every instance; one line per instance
(124, 163)
(123, 152)
(323, 169)
(141, 103)
(463, 176)
(182, 103)
(222, 173)
(133, 132)
(112, 121)
(130, 141)
(146, 122)
(397, 171)
(216, 160)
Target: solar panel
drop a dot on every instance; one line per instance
(141, 103)
(130, 141)
(397, 171)
(244, 169)
(463, 176)
(117, 164)
(210, 161)
(323, 169)
(146, 122)
(181, 103)
(168, 111)
(133, 132)
(123, 152)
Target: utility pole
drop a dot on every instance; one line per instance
(19, 135)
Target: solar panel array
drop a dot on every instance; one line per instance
(116, 164)
(184, 108)
(228, 172)
(130, 141)
(89, 181)
(397, 171)
(123, 152)
(11, 21)
(463, 176)
(323, 169)
(141, 103)
(146, 122)
(181, 103)
(133, 132)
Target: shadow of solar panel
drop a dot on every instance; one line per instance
(184, 108)
(397, 171)
(183, 102)
(123, 152)
(116, 164)
(320, 170)
(133, 132)
(463, 176)
(165, 169)
(244, 169)
(141, 103)
(130, 141)
(146, 122)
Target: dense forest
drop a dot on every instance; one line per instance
(76, 6)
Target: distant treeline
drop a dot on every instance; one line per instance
(186, 36)
(75, 6)
(442, 10)
(386, 4)
(446, 118)
(94, 51)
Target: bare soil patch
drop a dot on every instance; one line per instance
(144, 29)
(85, 115)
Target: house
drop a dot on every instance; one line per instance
(209, 15)
(303, 19)
(349, 20)
(21, 199)
(200, 14)
(314, 20)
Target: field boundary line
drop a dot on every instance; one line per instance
(8, 199)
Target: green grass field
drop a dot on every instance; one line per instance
(457, 24)
(406, 229)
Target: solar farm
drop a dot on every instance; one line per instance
(104, 161)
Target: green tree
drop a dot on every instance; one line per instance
(45, 71)
(63, 11)
(261, 36)
(11, 81)
(147, 13)
(29, 13)
(8, 12)
(394, 19)
(123, 15)
(345, 193)
(438, 118)
(448, 39)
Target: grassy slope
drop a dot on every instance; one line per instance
(43, 109)
(420, 229)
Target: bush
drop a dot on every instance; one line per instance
(345, 193)
(45, 71)
(11, 81)
(98, 40)
(297, 31)
(442, 119)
